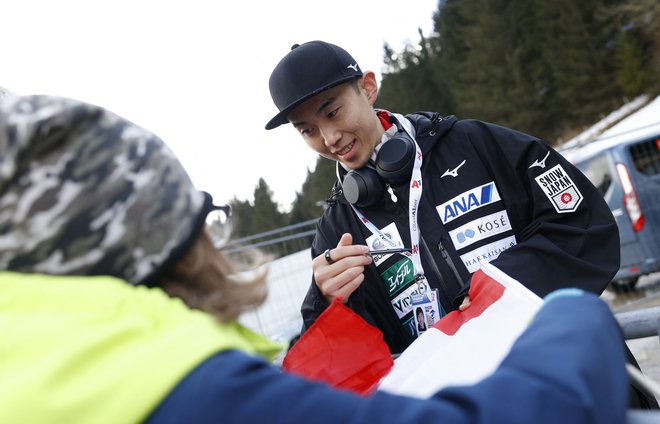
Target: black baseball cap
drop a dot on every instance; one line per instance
(305, 71)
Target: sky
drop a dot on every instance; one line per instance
(196, 72)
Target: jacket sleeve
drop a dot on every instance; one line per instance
(568, 367)
(570, 237)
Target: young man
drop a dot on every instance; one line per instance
(456, 192)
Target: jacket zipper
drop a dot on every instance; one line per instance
(442, 284)
(450, 262)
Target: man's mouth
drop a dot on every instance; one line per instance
(346, 149)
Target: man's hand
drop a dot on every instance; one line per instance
(341, 271)
(465, 303)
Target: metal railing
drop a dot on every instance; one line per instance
(279, 241)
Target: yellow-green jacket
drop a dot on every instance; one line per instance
(96, 350)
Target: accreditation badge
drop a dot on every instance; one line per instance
(426, 310)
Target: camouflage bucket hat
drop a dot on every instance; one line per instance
(84, 191)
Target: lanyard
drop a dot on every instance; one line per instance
(413, 206)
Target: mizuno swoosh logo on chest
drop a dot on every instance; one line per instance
(453, 172)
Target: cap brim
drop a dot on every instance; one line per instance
(281, 118)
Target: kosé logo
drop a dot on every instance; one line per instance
(480, 229)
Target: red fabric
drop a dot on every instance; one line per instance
(384, 119)
(342, 350)
(484, 291)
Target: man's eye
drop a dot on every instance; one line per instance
(333, 113)
(306, 131)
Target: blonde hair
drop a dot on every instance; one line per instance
(205, 278)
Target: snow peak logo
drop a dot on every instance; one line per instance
(398, 276)
(560, 189)
(468, 201)
(480, 229)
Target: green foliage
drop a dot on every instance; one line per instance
(242, 212)
(644, 17)
(545, 68)
(542, 67)
(256, 217)
(310, 200)
(632, 73)
(265, 214)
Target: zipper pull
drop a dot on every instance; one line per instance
(443, 252)
(392, 195)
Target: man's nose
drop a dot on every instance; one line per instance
(331, 135)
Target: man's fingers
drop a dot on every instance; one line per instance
(345, 240)
(464, 305)
(324, 271)
(349, 251)
(344, 284)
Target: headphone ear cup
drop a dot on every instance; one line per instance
(395, 160)
(363, 187)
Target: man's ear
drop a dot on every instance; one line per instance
(369, 86)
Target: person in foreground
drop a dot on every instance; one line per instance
(116, 306)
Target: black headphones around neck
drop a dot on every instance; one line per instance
(365, 187)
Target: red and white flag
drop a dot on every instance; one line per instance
(464, 347)
(342, 350)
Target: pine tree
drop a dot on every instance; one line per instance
(310, 201)
(265, 214)
(242, 212)
(633, 74)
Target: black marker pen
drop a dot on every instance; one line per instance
(388, 251)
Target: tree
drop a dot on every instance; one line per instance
(241, 218)
(310, 201)
(265, 214)
(633, 74)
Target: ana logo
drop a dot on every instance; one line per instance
(468, 201)
(560, 189)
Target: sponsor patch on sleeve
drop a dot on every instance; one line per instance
(560, 189)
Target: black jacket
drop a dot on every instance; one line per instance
(547, 226)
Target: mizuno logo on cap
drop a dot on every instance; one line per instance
(353, 67)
